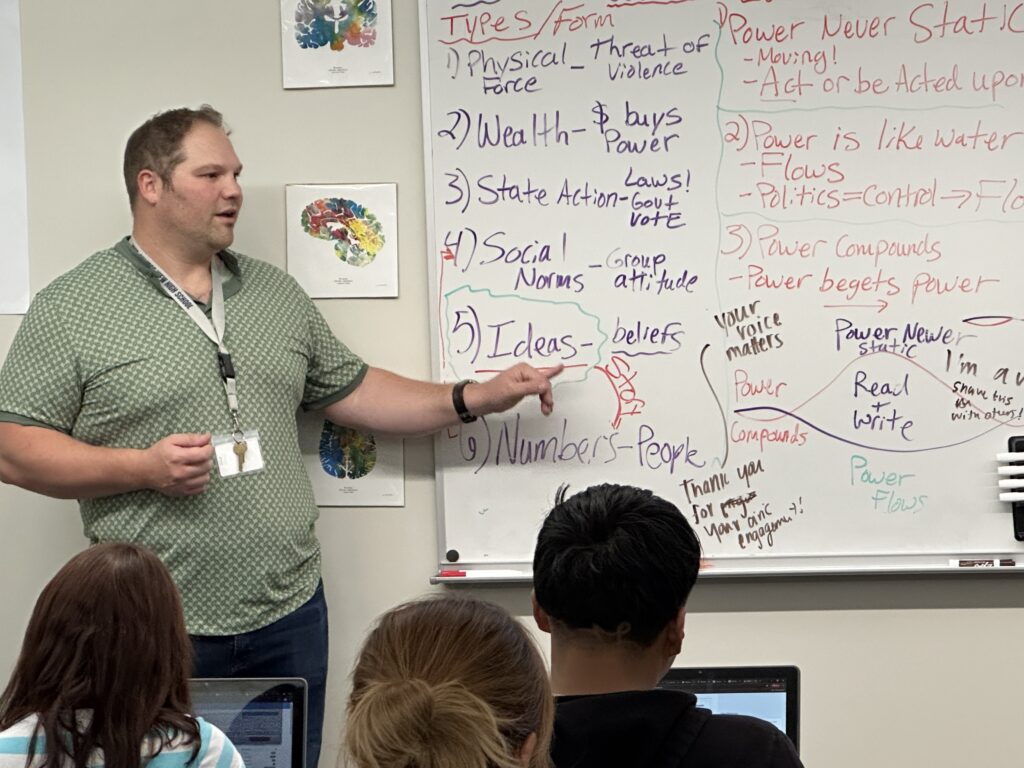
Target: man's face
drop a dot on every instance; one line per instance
(201, 204)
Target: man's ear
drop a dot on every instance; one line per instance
(675, 632)
(149, 185)
(542, 619)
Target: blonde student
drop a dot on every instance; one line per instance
(449, 682)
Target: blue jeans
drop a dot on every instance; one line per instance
(294, 646)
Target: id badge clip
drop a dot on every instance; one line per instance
(238, 453)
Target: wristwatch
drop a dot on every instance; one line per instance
(460, 403)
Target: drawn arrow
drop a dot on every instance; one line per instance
(882, 305)
(963, 195)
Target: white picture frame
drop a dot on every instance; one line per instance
(342, 239)
(336, 43)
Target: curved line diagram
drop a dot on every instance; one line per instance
(783, 413)
(852, 362)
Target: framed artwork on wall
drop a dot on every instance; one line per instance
(336, 43)
(343, 239)
(349, 468)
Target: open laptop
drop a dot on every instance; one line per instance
(265, 718)
(768, 693)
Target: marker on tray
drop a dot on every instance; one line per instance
(484, 574)
(1004, 562)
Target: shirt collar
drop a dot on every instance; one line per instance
(233, 285)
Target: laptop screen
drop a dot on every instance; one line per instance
(265, 718)
(768, 693)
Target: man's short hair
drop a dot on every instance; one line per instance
(156, 144)
(615, 557)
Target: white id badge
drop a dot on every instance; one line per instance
(238, 457)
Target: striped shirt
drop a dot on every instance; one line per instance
(215, 750)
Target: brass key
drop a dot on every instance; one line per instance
(239, 449)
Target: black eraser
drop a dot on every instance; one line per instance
(1016, 445)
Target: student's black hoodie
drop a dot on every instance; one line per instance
(662, 729)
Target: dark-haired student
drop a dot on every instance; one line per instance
(102, 679)
(613, 568)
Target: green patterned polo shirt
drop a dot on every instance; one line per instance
(107, 357)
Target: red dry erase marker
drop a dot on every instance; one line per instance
(443, 574)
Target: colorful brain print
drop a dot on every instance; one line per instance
(357, 234)
(346, 453)
(320, 22)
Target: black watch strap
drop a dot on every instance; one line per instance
(460, 403)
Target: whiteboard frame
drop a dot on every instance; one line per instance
(432, 310)
(730, 568)
(782, 565)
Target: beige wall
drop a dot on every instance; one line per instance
(913, 671)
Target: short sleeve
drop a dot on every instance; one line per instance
(40, 382)
(334, 370)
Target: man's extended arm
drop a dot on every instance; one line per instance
(385, 402)
(50, 462)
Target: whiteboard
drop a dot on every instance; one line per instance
(777, 246)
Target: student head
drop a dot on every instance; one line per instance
(612, 570)
(449, 682)
(107, 635)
